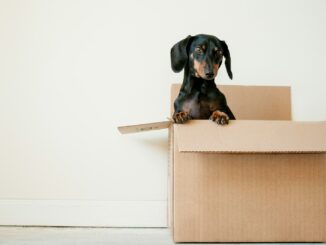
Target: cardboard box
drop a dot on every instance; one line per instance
(262, 178)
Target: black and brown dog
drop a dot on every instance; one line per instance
(201, 57)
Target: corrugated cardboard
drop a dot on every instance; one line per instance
(249, 197)
(273, 195)
(251, 136)
(262, 178)
(144, 127)
(250, 181)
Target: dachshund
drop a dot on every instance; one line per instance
(201, 57)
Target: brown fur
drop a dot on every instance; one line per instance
(200, 68)
(181, 117)
(215, 69)
(220, 117)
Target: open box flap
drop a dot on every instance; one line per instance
(251, 136)
(144, 127)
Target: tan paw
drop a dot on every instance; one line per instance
(219, 117)
(181, 117)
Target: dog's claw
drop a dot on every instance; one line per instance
(221, 118)
(181, 117)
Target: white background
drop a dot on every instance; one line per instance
(72, 71)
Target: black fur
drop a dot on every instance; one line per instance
(201, 57)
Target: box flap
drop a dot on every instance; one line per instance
(144, 127)
(251, 136)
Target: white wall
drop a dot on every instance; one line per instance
(72, 71)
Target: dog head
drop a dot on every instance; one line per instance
(203, 54)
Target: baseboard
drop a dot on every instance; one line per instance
(83, 213)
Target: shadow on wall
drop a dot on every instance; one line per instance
(155, 141)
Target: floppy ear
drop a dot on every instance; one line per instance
(227, 56)
(179, 54)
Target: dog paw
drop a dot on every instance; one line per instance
(181, 117)
(219, 117)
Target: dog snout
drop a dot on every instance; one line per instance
(209, 75)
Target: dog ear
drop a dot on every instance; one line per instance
(227, 56)
(179, 54)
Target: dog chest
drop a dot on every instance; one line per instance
(200, 107)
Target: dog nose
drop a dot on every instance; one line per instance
(209, 75)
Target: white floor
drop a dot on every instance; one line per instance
(83, 236)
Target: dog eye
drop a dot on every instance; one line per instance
(218, 52)
(198, 50)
